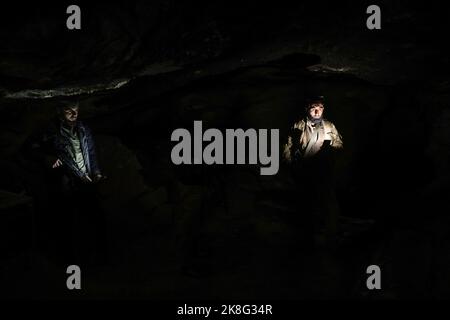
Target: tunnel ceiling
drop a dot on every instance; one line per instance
(118, 43)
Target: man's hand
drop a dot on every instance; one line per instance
(86, 179)
(58, 163)
(99, 177)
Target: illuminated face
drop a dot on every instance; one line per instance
(315, 110)
(70, 114)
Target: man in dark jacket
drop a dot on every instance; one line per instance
(71, 144)
(67, 150)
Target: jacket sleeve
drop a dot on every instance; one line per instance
(287, 150)
(336, 138)
(92, 152)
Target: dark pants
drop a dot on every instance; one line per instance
(315, 191)
(81, 221)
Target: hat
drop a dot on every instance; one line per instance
(314, 98)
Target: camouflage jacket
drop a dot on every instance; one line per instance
(300, 136)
